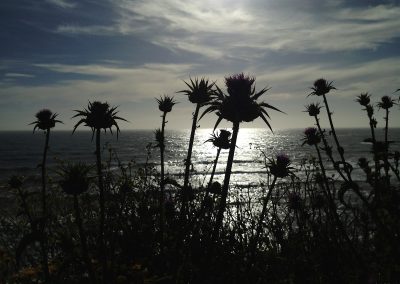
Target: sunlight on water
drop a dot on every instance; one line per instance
(21, 151)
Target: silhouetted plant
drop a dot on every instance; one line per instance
(75, 181)
(165, 105)
(240, 105)
(279, 168)
(221, 141)
(45, 120)
(98, 116)
(199, 93)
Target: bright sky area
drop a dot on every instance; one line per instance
(61, 54)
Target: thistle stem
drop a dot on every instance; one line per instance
(102, 205)
(214, 167)
(162, 185)
(225, 187)
(328, 151)
(338, 146)
(44, 210)
(188, 161)
(262, 215)
(83, 239)
(386, 148)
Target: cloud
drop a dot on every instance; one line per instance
(225, 28)
(18, 75)
(62, 3)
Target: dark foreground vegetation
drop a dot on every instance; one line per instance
(90, 224)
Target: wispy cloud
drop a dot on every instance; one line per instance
(225, 28)
(18, 75)
(62, 3)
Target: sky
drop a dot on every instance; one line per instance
(61, 54)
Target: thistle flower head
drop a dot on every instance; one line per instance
(165, 103)
(313, 109)
(386, 102)
(321, 87)
(200, 91)
(311, 136)
(221, 140)
(98, 115)
(280, 167)
(239, 84)
(240, 104)
(74, 178)
(45, 120)
(363, 99)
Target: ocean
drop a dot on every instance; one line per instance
(21, 151)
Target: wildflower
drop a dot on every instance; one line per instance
(97, 116)
(321, 87)
(241, 102)
(45, 120)
(363, 99)
(280, 167)
(312, 137)
(199, 92)
(386, 103)
(166, 103)
(74, 178)
(221, 140)
(313, 109)
(238, 106)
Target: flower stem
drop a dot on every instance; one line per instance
(228, 171)
(83, 239)
(162, 185)
(102, 205)
(262, 215)
(45, 264)
(188, 162)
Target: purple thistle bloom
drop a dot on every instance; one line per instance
(282, 160)
(281, 166)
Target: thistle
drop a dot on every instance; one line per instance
(98, 116)
(239, 105)
(311, 136)
(45, 120)
(363, 99)
(75, 181)
(200, 93)
(321, 87)
(280, 167)
(165, 105)
(221, 141)
(313, 109)
(74, 178)
(386, 103)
